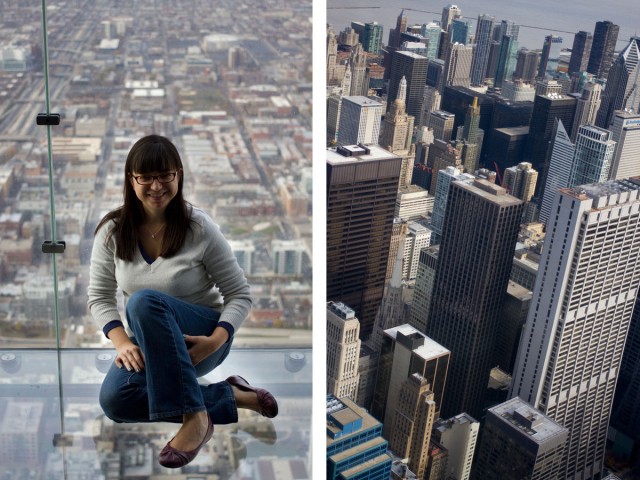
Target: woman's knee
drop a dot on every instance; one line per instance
(123, 396)
(142, 302)
(112, 404)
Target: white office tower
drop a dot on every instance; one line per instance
(593, 155)
(572, 344)
(425, 277)
(562, 151)
(587, 107)
(343, 351)
(413, 203)
(418, 237)
(625, 131)
(459, 436)
(359, 121)
(457, 66)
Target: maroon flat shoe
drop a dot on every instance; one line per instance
(173, 458)
(266, 401)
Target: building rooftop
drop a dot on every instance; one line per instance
(375, 153)
(490, 191)
(362, 101)
(531, 422)
(429, 349)
(345, 410)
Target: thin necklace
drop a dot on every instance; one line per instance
(153, 235)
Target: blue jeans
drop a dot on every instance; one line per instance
(168, 387)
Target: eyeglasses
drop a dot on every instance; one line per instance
(148, 179)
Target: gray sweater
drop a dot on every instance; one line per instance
(204, 272)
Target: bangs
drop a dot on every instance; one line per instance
(156, 157)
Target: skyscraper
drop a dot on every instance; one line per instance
(413, 68)
(506, 60)
(406, 351)
(441, 194)
(478, 238)
(625, 130)
(621, 90)
(572, 344)
(414, 416)
(362, 184)
(526, 65)
(395, 40)
(587, 107)
(484, 29)
(550, 54)
(449, 14)
(471, 139)
(332, 52)
(520, 442)
(605, 37)
(358, 67)
(359, 121)
(625, 414)
(580, 52)
(459, 435)
(418, 237)
(343, 351)
(371, 37)
(427, 264)
(457, 66)
(391, 311)
(334, 103)
(593, 154)
(460, 30)
(546, 109)
(559, 170)
(397, 127)
(520, 181)
(442, 124)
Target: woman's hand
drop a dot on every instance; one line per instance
(129, 356)
(203, 346)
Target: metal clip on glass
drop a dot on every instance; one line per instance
(48, 119)
(53, 247)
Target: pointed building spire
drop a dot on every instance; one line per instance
(402, 90)
(391, 311)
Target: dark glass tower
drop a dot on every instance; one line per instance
(478, 237)
(414, 68)
(546, 109)
(621, 90)
(605, 37)
(484, 30)
(362, 184)
(580, 52)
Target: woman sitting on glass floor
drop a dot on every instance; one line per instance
(185, 298)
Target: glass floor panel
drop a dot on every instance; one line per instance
(92, 447)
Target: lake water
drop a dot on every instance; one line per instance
(546, 14)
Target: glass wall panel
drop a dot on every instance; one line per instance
(228, 82)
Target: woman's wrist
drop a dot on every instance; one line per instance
(220, 336)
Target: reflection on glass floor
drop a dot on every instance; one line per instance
(93, 447)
